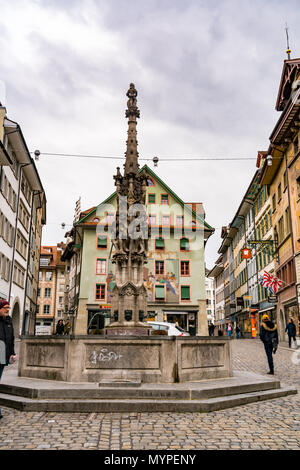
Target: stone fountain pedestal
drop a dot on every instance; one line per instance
(152, 359)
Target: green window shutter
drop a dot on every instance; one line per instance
(164, 199)
(159, 292)
(102, 241)
(185, 293)
(151, 198)
(159, 243)
(184, 244)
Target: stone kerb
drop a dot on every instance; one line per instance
(145, 359)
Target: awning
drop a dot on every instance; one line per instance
(176, 312)
(266, 309)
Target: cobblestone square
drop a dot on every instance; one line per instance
(272, 424)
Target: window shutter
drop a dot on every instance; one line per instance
(185, 293)
(184, 244)
(159, 243)
(159, 292)
(102, 241)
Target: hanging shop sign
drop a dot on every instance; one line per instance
(246, 253)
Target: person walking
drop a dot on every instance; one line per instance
(67, 327)
(229, 330)
(7, 340)
(269, 336)
(291, 331)
(238, 332)
(211, 329)
(60, 327)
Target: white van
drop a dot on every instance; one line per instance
(171, 328)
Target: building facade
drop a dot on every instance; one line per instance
(210, 298)
(282, 176)
(174, 276)
(51, 288)
(22, 215)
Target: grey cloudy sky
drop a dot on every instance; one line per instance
(207, 74)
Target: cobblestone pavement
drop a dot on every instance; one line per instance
(272, 424)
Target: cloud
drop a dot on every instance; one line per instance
(207, 75)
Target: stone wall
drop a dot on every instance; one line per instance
(146, 359)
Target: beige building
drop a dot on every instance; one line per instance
(51, 288)
(22, 215)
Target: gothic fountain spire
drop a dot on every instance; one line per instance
(130, 241)
(132, 113)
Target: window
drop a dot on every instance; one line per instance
(110, 218)
(101, 241)
(166, 220)
(185, 268)
(101, 266)
(287, 220)
(296, 145)
(150, 182)
(179, 220)
(24, 216)
(159, 267)
(100, 292)
(26, 189)
(152, 219)
(280, 229)
(279, 192)
(274, 202)
(48, 276)
(165, 199)
(40, 275)
(151, 198)
(185, 293)
(39, 292)
(46, 309)
(160, 292)
(47, 292)
(298, 186)
(61, 300)
(159, 244)
(184, 244)
(284, 180)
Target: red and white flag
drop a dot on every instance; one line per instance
(271, 281)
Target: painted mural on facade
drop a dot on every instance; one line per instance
(170, 279)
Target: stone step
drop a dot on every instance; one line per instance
(140, 405)
(184, 391)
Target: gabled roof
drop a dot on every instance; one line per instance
(289, 70)
(151, 173)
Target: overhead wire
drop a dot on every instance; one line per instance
(161, 159)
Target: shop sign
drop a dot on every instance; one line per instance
(273, 299)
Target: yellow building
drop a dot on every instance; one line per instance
(283, 177)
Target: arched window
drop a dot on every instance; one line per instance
(150, 181)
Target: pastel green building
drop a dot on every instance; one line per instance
(174, 275)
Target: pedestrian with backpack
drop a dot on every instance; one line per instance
(269, 336)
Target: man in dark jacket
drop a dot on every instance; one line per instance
(269, 336)
(291, 331)
(7, 347)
